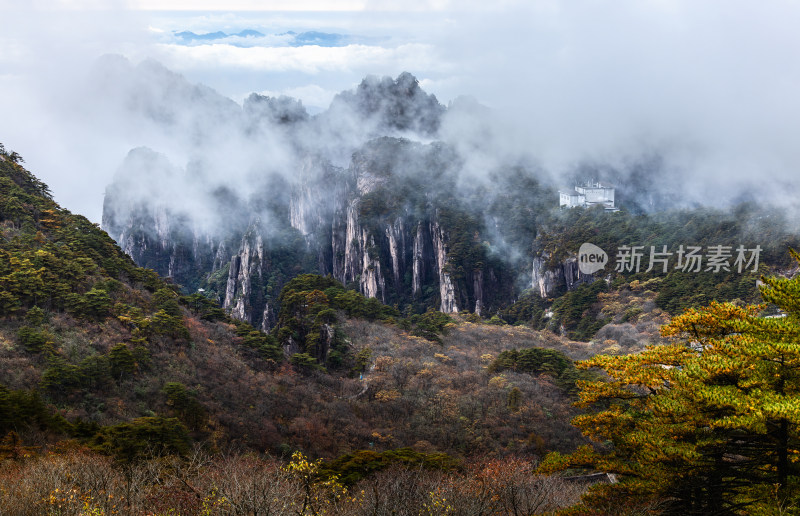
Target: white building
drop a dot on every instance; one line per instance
(590, 194)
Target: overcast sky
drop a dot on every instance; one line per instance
(713, 82)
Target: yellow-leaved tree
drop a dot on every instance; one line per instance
(707, 424)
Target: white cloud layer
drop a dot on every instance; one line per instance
(309, 60)
(247, 5)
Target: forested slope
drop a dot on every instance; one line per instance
(94, 347)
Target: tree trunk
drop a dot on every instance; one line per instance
(783, 458)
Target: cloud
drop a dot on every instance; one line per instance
(247, 5)
(46, 53)
(306, 59)
(315, 97)
(708, 82)
(711, 85)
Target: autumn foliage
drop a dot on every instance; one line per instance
(707, 424)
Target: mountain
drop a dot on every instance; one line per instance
(322, 39)
(189, 36)
(85, 329)
(97, 349)
(398, 104)
(211, 36)
(385, 280)
(165, 103)
(412, 203)
(108, 375)
(390, 222)
(290, 38)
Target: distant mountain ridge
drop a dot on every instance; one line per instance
(189, 35)
(290, 38)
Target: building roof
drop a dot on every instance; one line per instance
(595, 184)
(572, 190)
(569, 191)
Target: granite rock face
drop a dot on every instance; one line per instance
(363, 192)
(547, 280)
(346, 222)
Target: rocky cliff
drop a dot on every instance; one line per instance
(375, 225)
(547, 281)
(395, 219)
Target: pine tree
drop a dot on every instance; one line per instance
(707, 424)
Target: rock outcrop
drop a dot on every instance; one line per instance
(565, 274)
(349, 222)
(345, 195)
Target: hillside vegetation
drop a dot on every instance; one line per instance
(121, 395)
(105, 367)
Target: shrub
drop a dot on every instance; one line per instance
(32, 339)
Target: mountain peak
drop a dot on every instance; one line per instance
(397, 103)
(278, 110)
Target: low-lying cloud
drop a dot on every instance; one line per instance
(309, 60)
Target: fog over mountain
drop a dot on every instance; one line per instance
(411, 154)
(333, 261)
(389, 191)
(706, 89)
(269, 181)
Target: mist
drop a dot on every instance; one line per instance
(573, 87)
(705, 85)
